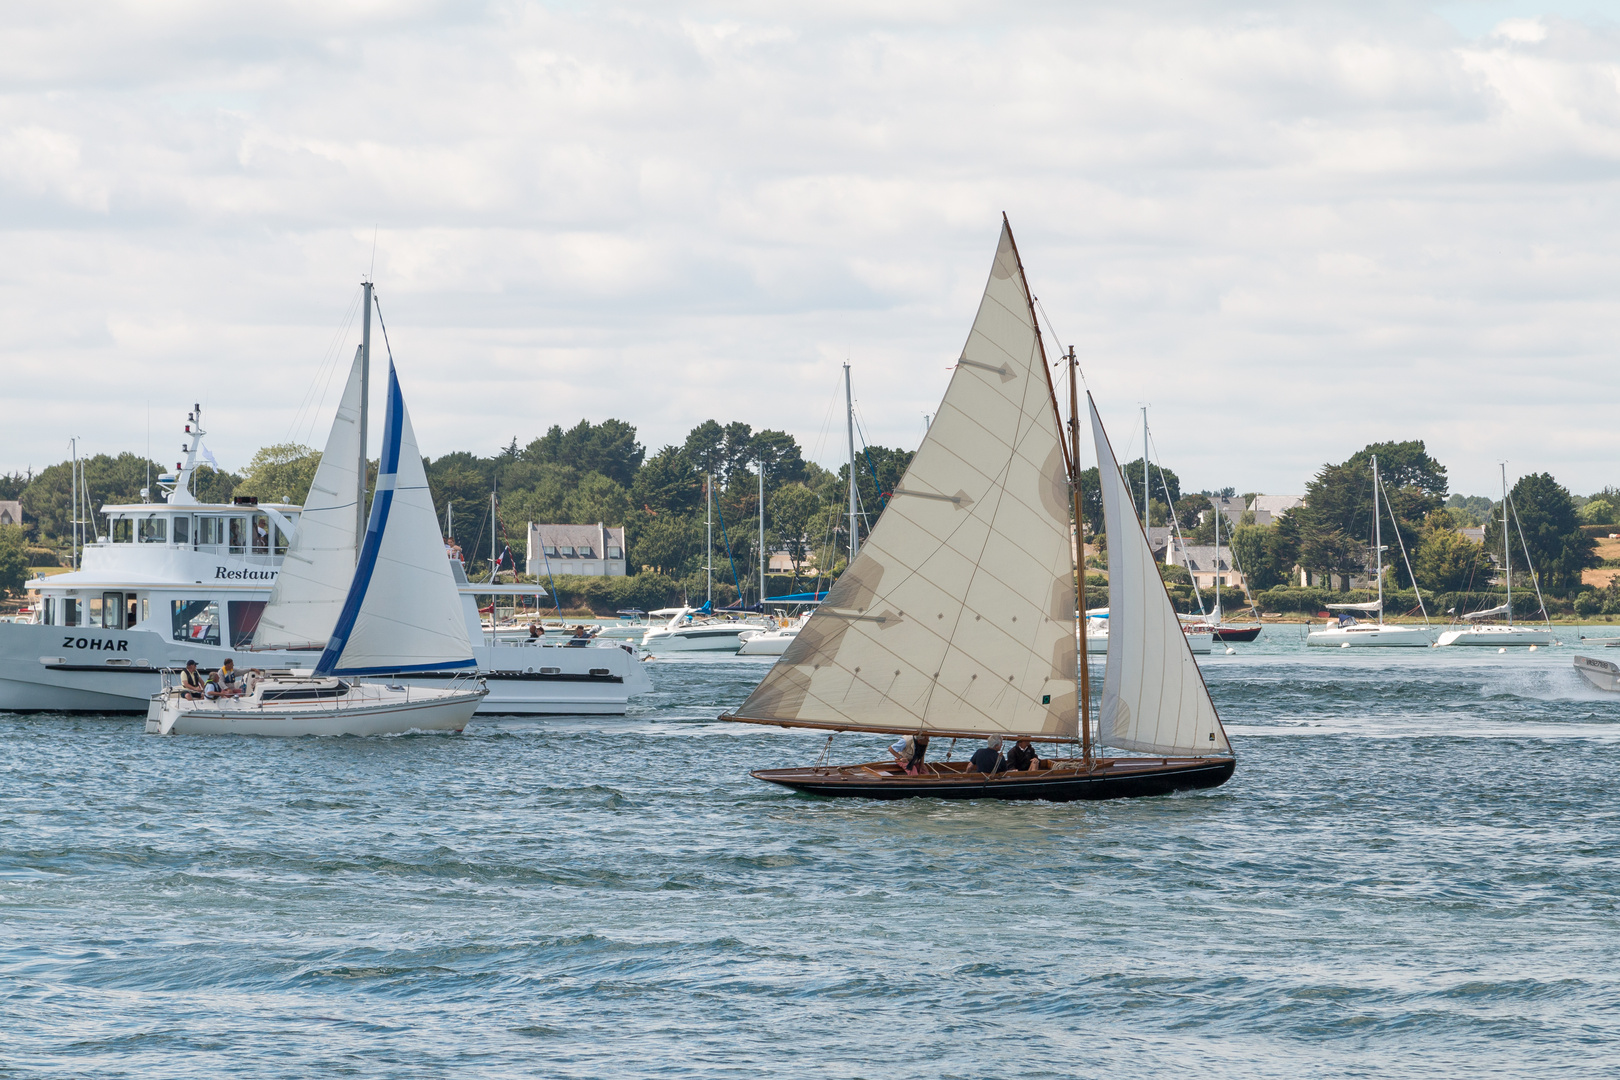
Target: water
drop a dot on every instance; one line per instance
(1414, 872)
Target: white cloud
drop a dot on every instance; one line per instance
(1292, 230)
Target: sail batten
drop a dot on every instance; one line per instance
(957, 616)
(1154, 698)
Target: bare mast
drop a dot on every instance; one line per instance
(1080, 557)
(1378, 543)
(1507, 567)
(762, 535)
(849, 417)
(708, 524)
(365, 408)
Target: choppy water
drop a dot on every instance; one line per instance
(1414, 872)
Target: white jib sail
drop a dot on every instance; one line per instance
(314, 578)
(958, 615)
(402, 612)
(1154, 699)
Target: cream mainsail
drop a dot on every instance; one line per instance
(314, 578)
(1154, 698)
(958, 616)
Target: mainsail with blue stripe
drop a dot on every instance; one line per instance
(403, 612)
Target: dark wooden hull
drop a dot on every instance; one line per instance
(1237, 633)
(1067, 781)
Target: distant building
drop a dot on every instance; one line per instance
(780, 562)
(10, 512)
(1474, 533)
(1159, 537)
(588, 550)
(1206, 563)
(1266, 508)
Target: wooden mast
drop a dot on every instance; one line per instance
(1080, 559)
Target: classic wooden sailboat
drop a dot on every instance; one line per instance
(957, 619)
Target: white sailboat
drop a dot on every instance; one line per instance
(1506, 633)
(400, 612)
(957, 618)
(1348, 632)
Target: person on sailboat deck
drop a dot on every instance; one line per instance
(987, 759)
(191, 682)
(229, 680)
(1023, 757)
(909, 752)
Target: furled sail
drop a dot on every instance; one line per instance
(308, 594)
(402, 611)
(1154, 698)
(958, 616)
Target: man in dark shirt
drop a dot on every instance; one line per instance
(988, 759)
(1023, 756)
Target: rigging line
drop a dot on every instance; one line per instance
(1180, 540)
(324, 365)
(1402, 541)
(1535, 578)
(721, 514)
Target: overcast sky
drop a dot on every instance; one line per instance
(1289, 231)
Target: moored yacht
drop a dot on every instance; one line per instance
(1501, 634)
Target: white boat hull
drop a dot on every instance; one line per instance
(713, 637)
(1371, 636)
(1496, 636)
(1603, 674)
(768, 642)
(1200, 642)
(65, 669)
(366, 709)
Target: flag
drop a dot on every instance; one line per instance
(208, 456)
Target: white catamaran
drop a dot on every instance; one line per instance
(397, 612)
(957, 619)
(180, 579)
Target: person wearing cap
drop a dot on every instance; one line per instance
(988, 759)
(191, 682)
(1023, 756)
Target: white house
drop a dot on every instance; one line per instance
(10, 512)
(590, 550)
(1267, 508)
(1203, 564)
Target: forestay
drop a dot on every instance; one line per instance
(402, 612)
(314, 578)
(958, 616)
(1154, 698)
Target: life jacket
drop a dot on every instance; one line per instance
(191, 680)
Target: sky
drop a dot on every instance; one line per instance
(1287, 230)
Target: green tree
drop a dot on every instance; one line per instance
(669, 483)
(1264, 554)
(13, 560)
(791, 511)
(1597, 511)
(210, 485)
(48, 499)
(1158, 479)
(280, 473)
(705, 448)
(670, 544)
(1446, 560)
(1559, 551)
(609, 448)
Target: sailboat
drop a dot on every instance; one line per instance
(400, 613)
(957, 619)
(1501, 634)
(1348, 632)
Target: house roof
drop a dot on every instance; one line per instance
(575, 536)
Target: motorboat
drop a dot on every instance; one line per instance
(399, 612)
(1603, 674)
(693, 630)
(771, 641)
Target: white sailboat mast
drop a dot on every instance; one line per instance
(360, 514)
(1507, 566)
(1079, 555)
(1145, 496)
(762, 534)
(708, 525)
(849, 418)
(1378, 543)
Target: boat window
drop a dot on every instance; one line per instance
(196, 620)
(92, 614)
(50, 611)
(244, 620)
(281, 541)
(587, 553)
(70, 612)
(112, 610)
(146, 608)
(123, 530)
(210, 531)
(154, 530)
(238, 536)
(182, 530)
(261, 535)
(568, 553)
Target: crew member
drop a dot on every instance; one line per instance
(191, 682)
